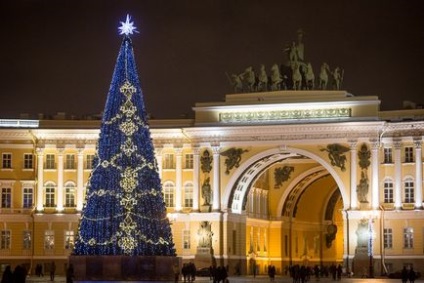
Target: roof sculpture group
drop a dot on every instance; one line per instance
(295, 74)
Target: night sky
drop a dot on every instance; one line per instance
(58, 56)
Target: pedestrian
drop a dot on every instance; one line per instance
(7, 275)
(52, 270)
(70, 274)
(412, 275)
(404, 275)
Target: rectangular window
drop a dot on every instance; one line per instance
(5, 240)
(388, 238)
(388, 192)
(28, 197)
(50, 161)
(408, 238)
(388, 157)
(188, 161)
(168, 162)
(70, 196)
(409, 191)
(7, 161)
(69, 239)
(186, 239)
(50, 196)
(70, 161)
(409, 154)
(28, 161)
(49, 240)
(6, 197)
(27, 242)
(89, 161)
(188, 196)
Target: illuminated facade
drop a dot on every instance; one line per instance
(281, 178)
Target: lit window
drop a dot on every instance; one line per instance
(50, 161)
(89, 161)
(408, 238)
(27, 243)
(69, 239)
(168, 194)
(28, 161)
(388, 238)
(6, 197)
(388, 191)
(7, 160)
(409, 191)
(50, 195)
(168, 161)
(28, 197)
(70, 161)
(70, 195)
(5, 239)
(188, 161)
(188, 195)
(49, 240)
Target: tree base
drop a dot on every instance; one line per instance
(124, 268)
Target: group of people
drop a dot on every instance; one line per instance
(218, 274)
(189, 272)
(18, 275)
(408, 275)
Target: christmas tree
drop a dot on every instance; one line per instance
(124, 212)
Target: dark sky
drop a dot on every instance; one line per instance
(58, 56)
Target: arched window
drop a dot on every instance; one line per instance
(70, 195)
(388, 191)
(50, 195)
(168, 194)
(409, 190)
(188, 195)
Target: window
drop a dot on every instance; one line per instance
(28, 161)
(89, 161)
(188, 195)
(70, 161)
(6, 197)
(168, 194)
(28, 197)
(168, 161)
(7, 161)
(50, 195)
(409, 154)
(388, 157)
(70, 195)
(49, 240)
(50, 161)
(409, 191)
(388, 191)
(186, 239)
(188, 161)
(69, 239)
(5, 239)
(27, 243)
(408, 238)
(388, 238)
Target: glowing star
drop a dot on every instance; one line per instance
(127, 27)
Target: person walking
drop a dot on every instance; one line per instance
(52, 270)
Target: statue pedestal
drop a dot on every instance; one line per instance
(124, 268)
(205, 208)
(204, 257)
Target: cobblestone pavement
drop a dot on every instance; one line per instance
(238, 279)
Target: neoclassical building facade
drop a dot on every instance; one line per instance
(273, 178)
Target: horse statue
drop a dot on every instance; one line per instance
(297, 77)
(262, 79)
(250, 79)
(310, 77)
(276, 77)
(337, 78)
(323, 76)
(236, 82)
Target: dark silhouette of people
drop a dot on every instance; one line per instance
(7, 275)
(19, 274)
(412, 275)
(52, 270)
(70, 274)
(404, 275)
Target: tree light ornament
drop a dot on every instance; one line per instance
(127, 27)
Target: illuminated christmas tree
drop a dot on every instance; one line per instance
(124, 211)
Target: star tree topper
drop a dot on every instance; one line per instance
(127, 27)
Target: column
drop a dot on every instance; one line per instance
(158, 153)
(40, 179)
(80, 178)
(216, 201)
(196, 167)
(178, 178)
(418, 173)
(375, 201)
(398, 173)
(59, 205)
(353, 175)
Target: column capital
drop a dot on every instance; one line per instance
(375, 144)
(418, 141)
(353, 143)
(397, 143)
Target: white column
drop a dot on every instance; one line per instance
(353, 173)
(216, 201)
(178, 178)
(375, 201)
(59, 206)
(196, 167)
(398, 173)
(80, 180)
(418, 173)
(40, 179)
